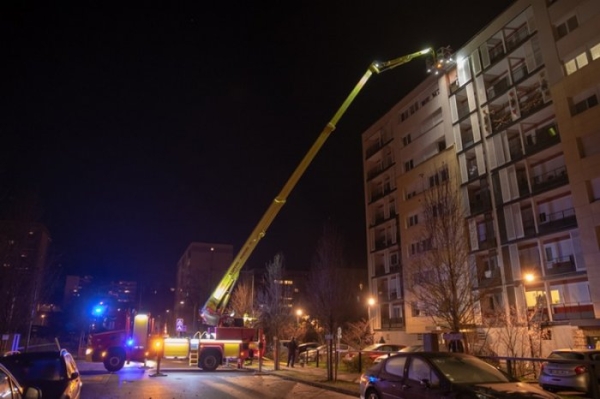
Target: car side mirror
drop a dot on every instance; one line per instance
(74, 375)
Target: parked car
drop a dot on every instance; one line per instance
(375, 350)
(53, 372)
(442, 375)
(307, 346)
(410, 348)
(321, 351)
(570, 370)
(11, 388)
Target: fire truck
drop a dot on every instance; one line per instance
(118, 336)
(238, 342)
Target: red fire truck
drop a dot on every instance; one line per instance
(119, 336)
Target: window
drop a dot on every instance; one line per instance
(576, 63)
(419, 370)
(406, 140)
(584, 104)
(566, 27)
(408, 165)
(395, 366)
(595, 51)
(594, 189)
(413, 220)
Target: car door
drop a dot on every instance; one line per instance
(74, 377)
(391, 377)
(8, 387)
(422, 381)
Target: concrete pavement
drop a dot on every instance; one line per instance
(345, 382)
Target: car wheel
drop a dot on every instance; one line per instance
(209, 361)
(114, 360)
(371, 394)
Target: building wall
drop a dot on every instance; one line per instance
(518, 111)
(199, 271)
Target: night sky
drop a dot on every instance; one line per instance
(142, 129)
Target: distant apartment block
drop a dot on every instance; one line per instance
(514, 120)
(199, 271)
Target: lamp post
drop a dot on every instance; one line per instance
(528, 279)
(298, 315)
(370, 302)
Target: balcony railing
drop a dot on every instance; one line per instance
(392, 322)
(517, 37)
(554, 178)
(557, 220)
(487, 243)
(490, 278)
(573, 310)
(563, 265)
(543, 138)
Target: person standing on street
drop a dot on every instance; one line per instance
(292, 348)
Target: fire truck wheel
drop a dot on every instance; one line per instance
(114, 360)
(210, 360)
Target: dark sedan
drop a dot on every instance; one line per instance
(53, 372)
(442, 375)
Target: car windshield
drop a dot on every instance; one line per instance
(468, 370)
(45, 369)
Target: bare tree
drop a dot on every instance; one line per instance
(438, 273)
(274, 316)
(329, 282)
(241, 301)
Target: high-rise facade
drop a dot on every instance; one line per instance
(513, 121)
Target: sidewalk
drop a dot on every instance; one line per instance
(345, 382)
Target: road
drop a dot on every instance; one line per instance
(137, 382)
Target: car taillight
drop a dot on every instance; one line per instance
(580, 369)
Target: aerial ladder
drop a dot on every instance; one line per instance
(215, 305)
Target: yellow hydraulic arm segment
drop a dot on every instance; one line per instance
(212, 310)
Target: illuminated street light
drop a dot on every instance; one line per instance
(298, 315)
(529, 278)
(370, 303)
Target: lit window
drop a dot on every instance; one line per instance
(595, 51)
(581, 60)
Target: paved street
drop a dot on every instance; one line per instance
(177, 381)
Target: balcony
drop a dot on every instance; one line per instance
(549, 180)
(517, 37)
(530, 101)
(490, 278)
(500, 118)
(487, 243)
(563, 265)
(572, 311)
(498, 88)
(542, 138)
(380, 193)
(392, 322)
(557, 221)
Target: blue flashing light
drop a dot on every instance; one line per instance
(99, 310)
(130, 342)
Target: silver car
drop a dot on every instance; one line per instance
(570, 370)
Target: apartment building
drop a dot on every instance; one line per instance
(513, 122)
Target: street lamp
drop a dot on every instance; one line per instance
(529, 278)
(298, 315)
(370, 302)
